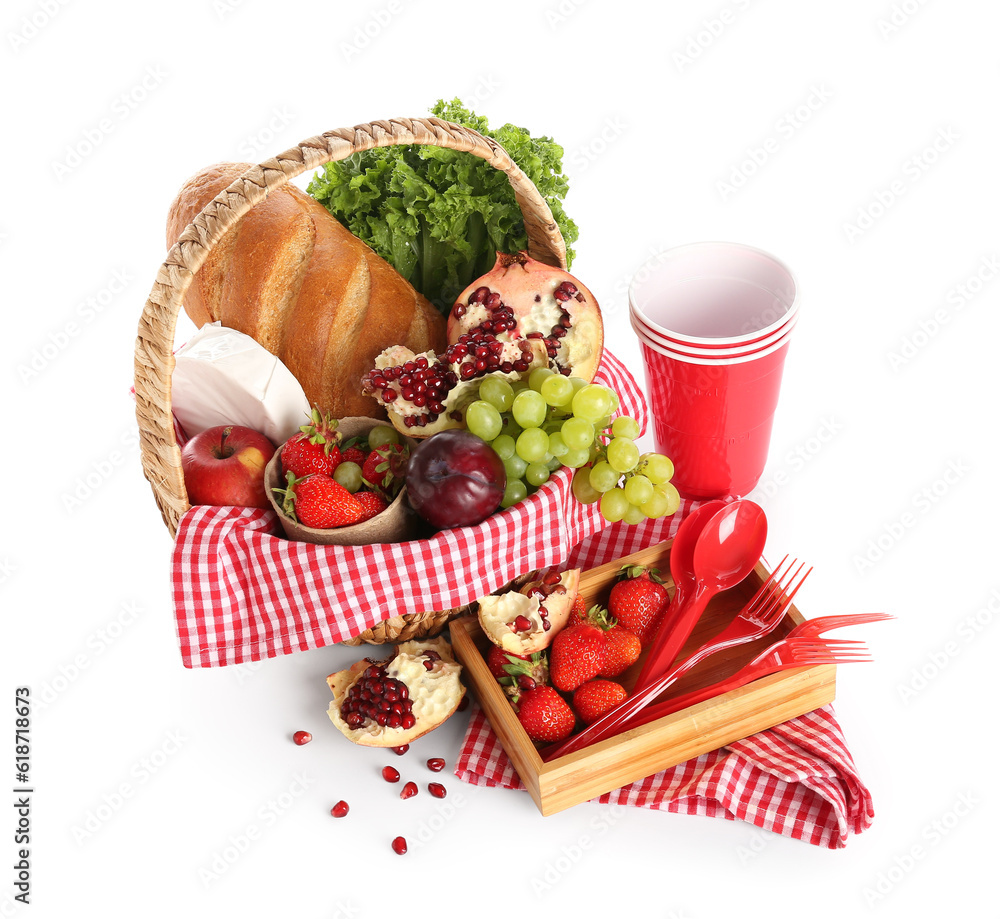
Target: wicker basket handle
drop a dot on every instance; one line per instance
(154, 362)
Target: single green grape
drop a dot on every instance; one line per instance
(515, 492)
(514, 466)
(577, 383)
(576, 458)
(633, 515)
(503, 446)
(657, 467)
(673, 497)
(638, 489)
(603, 478)
(528, 409)
(578, 433)
(556, 390)
(592, 402)
(585, 492)
(656, 506)
(538, 376)
(623, 426)
(557, 446)
(483, 420)
(498, 392)
(348, 474)
(382, 434)
(623, 454)
(614, 504)
(532, 444)
(536, 474)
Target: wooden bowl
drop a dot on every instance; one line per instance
(397, 523)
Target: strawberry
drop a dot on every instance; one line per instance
(638, 601)
(577, 654)
(596, 698)
(318, 501)
(497, 659)
(621, 652)
(351, 452)
(314, 450)
(371, 503)
(545, 715)
(384, 468)
(579, 609)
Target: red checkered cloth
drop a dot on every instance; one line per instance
(241, 592)
(797, 779)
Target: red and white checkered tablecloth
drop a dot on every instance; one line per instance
(242, 592)
(797, 779)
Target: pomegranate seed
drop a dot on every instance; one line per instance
(302, 737)
(526, 682)
(399, 845)
(408, 721)
(534, 335)
(436, 764)
(546, 625)
(522, 624)
(569, 287)
(409, 790)
(399, 751)
(459, 311)
(437, 789)
(340, 809)
(492, 301)
(390, 774)
(561, 295)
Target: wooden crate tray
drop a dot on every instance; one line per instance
(645, 750)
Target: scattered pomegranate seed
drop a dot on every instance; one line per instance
(437, 789)
(399, 845)
(340, 809)
(390, 774)
(399, 751)
(436, 764)
(409, 790)
(302, 737)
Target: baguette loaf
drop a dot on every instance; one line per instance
(293, 278)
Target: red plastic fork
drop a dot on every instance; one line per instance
(759, 617)
(813, 628)
(782, 655)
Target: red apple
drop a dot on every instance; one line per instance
(224, 465)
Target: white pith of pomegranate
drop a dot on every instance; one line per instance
(526, 620)
(427, 393)
(521, 298)
(393, 702)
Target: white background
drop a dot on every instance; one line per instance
(881, 473)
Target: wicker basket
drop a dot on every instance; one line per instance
(154, 361)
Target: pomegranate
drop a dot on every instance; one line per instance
(526, 620)
(391, 703)
(521, 298)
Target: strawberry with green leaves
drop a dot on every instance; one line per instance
(314, 450)
(638, 601)
(385, 468)
(320, 502)
(595, 698)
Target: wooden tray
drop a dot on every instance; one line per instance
(645, 750)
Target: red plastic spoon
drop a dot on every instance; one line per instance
(682, 573)
(725, 552)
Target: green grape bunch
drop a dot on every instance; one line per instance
(539, 424)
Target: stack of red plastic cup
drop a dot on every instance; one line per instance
(714, 322)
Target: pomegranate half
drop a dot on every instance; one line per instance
(392, 702)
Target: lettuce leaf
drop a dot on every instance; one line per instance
(438, 216)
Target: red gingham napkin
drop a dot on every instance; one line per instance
(797, 779)
(241, 592)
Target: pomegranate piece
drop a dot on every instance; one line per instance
(399, 751)
(390, 774)
(340, 809)
(409, 790)
(435, 764)
(437, 789)
(523, 299)
(399, 845)
(391, 703)
(302, 737)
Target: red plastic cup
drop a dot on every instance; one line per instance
(713, 408)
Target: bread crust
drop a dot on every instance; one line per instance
(304, 287)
